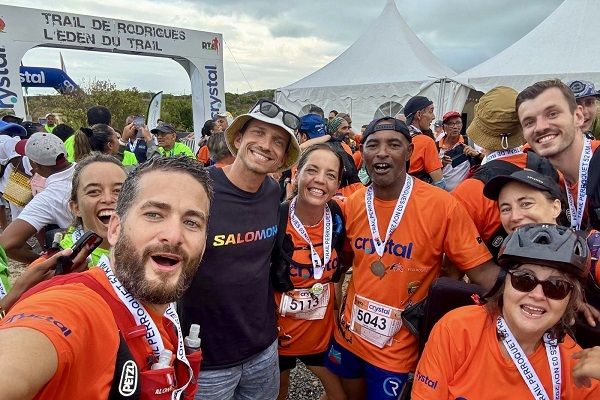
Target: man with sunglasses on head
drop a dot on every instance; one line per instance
(231, 296)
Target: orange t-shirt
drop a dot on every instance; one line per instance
(203, 155)
(463, 360)
(434, 223)
(346, 148)
(82, 330)
(443, 142)
(483, 211)
(308, 336)
(425, 155)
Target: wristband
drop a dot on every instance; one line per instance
(122, 143)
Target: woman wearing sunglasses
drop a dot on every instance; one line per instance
(517, 345)
(306, 265)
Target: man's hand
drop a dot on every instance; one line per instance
(590, 314)
(146, 133)
(587, 367)
(471, 152)
(128, 132)
(446, 160)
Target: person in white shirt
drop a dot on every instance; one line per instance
(47, 155)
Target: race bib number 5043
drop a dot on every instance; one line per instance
(375, 322)
(302, 304)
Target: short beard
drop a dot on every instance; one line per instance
(130, 270)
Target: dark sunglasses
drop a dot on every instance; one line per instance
(555, 289)
(271, 110)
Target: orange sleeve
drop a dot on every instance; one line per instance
(462, 243)
(483, 211)
(431, 157)
(81, 328)
(203, 154)
(436, 366)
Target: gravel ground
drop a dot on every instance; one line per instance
(304, 385)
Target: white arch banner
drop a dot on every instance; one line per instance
(200, 53)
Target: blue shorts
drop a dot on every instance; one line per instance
(381, 384)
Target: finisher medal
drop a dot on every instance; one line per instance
(378, 269)
(317, 289)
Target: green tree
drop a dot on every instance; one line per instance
(73, 108)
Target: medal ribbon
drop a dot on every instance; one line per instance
(496, 155)
(378, 244)
(584, 163)
(141, 317)
(318, 265)
(522, 363)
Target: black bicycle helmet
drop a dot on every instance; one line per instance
(550, 245)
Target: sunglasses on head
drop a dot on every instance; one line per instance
(271, 110)
(555, 289)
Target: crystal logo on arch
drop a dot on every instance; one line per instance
(212, 83)
(2, 25)
(8, 98)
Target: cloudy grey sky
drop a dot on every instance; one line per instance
(277, 43)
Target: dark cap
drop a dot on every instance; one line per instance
(163, 127)
(313, 125)
(415, 104)
(583, 89)
(530, 178)
(384, 124)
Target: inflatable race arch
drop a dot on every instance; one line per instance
(200, 53)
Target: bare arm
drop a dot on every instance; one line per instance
(14, 238)
(436, 175)
(32, 359)
(485, 274)
(310, 142)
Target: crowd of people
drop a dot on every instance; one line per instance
(209, 274)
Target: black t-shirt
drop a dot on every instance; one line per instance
(231, 296)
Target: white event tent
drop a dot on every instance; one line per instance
(377, 75)
(562, 46)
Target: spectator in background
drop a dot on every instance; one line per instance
(425, 163)
(221, 121)
(9, 159)
(63, 131)
(167, 142)
(332, 114)
(438, 130)
(210, 127)
(134, 139)
(586, 96)
(47, 156)
(218, 150)
(95, 115)
(313, 109)
(452, 151)
(32, 127)
(50, 122)
(339, 129)
(98, 115)
(102, 138)
(12, 119)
